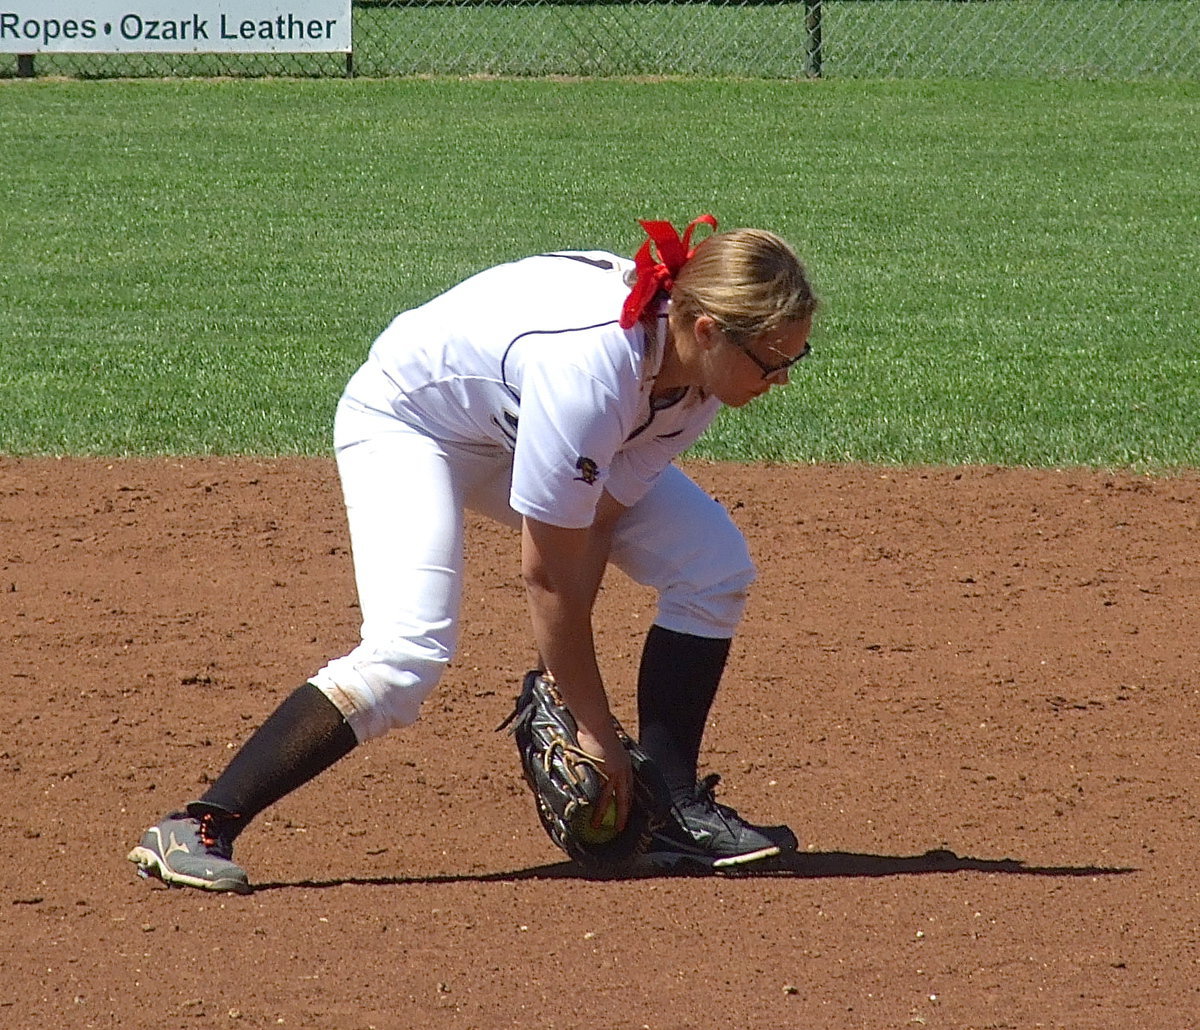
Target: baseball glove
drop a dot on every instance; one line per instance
(567, 782)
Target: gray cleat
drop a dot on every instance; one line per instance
(190, 851)
(704, 833)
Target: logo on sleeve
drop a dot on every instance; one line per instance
(589, 471)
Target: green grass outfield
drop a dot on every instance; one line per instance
(1009, 268)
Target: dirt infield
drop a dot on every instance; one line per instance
(973, 693)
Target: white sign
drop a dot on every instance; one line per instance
(174, 27)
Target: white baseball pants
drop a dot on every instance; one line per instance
(405, 495)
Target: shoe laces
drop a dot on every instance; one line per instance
(214, 835)
(706, 797)
(706, 791)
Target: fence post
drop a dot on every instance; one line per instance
(812, 33)
(25, 66)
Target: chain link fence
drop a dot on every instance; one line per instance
(1115, 39)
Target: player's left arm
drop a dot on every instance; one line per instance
(563, 569)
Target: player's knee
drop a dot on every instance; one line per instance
(380, 688)
(712, 606)
(725, 601)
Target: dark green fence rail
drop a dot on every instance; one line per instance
(1114, 39)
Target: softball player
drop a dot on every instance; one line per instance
(551, 394)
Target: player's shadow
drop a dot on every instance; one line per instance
(812, 865)
(833, 864)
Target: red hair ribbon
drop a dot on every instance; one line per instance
(653, 276)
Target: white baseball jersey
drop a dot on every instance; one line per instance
(528, 357)
(515, 393)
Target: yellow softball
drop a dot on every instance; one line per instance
(601, 834)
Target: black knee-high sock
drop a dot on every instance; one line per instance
(304, 736)
(677, 682)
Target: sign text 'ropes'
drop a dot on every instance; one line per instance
(211, 25)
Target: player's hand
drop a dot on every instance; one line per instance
(617, 768)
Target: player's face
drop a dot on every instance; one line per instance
(742, 369)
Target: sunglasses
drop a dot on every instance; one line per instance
(769, 371)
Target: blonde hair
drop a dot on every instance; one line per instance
(749, 280)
